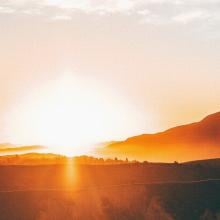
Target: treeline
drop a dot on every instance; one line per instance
(38, 159)
(96, 161)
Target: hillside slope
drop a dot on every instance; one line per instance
(194, 141)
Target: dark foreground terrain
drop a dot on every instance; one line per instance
(111, 192)
(198, 200)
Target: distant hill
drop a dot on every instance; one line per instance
(194, 141)
(10, 149)
(205, 163)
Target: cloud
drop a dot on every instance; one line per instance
(157, 12)
(84, 5)
(6, 10)
(187, 17)
(143, 12)
(61, 18)
(97, 6)
(108, 5)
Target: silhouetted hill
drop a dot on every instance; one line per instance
(194, 141)
(205, 163)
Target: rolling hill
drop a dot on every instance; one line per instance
(196, 141)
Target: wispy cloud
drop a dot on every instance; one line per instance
(148, 11)
(84, 5)
(61, 18)
(195, 15)
(6, 10)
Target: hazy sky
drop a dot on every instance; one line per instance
(161, 57)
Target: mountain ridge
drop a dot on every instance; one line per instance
(198, 140)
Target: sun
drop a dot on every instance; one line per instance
(71, 114)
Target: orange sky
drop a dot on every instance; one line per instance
(158, 59)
